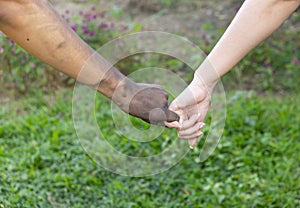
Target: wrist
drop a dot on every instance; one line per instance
(123, 93)
(203, 82)
(112, 82)
(206, 75)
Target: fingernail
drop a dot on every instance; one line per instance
(191, 147)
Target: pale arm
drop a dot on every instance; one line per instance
(255, 21)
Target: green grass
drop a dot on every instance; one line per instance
(257, 163)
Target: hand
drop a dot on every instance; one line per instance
(192, 106)
(146, 101)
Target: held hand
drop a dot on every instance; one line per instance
(192, 106)
(146, 101)
(151, 105)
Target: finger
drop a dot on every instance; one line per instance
(174, 124)
(190, 122)
(192, 142)
(160, 117)
(197, 134)
(190, 131)
(171, 116)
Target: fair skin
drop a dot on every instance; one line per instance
(255, 21)
(36, 27)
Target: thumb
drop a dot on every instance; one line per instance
(171, 116)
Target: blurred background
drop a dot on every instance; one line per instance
(271, 67)
(256, 164)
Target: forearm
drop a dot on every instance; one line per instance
(36, 27)
(255, 21)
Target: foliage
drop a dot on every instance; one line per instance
(272, 66)
(256, 163)
(19, 68)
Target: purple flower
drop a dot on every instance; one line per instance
(13, 52)
(74, 27)
(67, 11)
(12, 42)
(92, 33)
(94, 16)
(203, 37)
(93, 8)
(87, 20)
(267, 64)
(123, 27)
(213, 37)
(295, 61)
(102, 15)
(104, 25)
(206, 42)
(87, 15)
(80, 13)
(84, 29)
(23, 60)
(112, 25)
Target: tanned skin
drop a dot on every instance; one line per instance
(36, 27)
